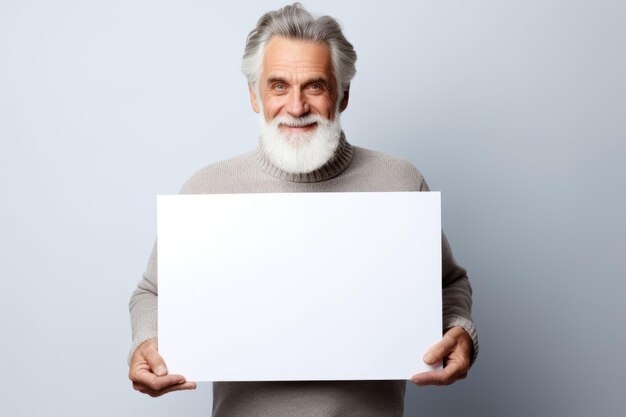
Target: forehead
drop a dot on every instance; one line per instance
(296, 57)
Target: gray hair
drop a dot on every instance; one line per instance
(295, 22)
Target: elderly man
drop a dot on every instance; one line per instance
(299, 70)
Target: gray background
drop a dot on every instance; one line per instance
(513, 109)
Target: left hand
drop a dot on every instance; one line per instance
(455, 349)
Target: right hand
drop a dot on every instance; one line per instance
(149, 373)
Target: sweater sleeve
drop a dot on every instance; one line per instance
(143, 305)
(456, 291)
(457, 295)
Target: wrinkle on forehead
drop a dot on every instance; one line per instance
(292, 58)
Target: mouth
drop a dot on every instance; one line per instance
(297, 128)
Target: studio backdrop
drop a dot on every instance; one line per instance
(513, 110)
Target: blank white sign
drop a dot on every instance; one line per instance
(299, 286)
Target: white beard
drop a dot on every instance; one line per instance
(300, 152)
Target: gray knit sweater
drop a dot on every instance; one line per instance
(352, 169)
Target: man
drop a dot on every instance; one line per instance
(299, 70)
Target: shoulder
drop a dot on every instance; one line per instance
(387, 160)
(385, 166)
(218, 176)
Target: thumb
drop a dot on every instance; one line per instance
(439, 350)
(155, 361)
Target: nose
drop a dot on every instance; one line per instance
(296, 103)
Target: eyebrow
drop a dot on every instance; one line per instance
(276, 80)
(319, 80)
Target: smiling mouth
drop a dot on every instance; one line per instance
(298, 127)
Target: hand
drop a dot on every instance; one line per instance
(149, 373)
(455, 350)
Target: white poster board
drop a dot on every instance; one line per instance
(299, 286)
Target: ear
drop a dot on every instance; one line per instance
(253, 100)
(344, 100)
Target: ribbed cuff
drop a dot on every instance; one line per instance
(468, 325)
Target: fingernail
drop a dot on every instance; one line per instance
(161, 370)
(429, 358)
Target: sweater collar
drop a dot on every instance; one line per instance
(335, 166)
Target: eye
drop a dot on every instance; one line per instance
(279, 86)
(316, 87)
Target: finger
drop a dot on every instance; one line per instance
(188, 385)
(156, 393)
(461, 358)
(446, 376)
(156, 362)
(156, 383)
(451, 373)
(180, 387)
(426, 378)
(439, 350)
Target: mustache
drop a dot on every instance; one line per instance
(298, 121)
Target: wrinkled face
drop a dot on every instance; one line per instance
(297, 80)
